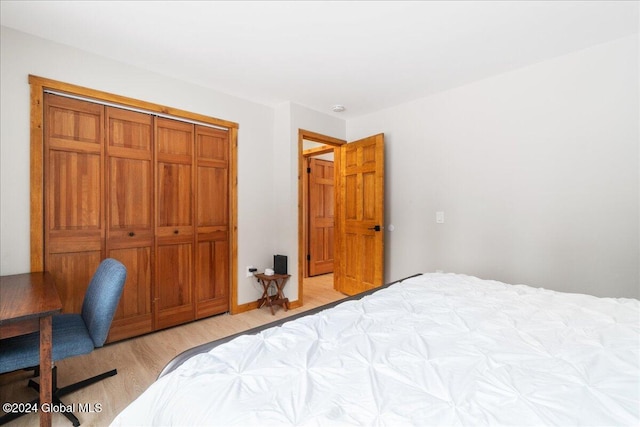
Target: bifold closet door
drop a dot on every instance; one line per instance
(73, 195)
(149, 191)
(175, 234)
(130, 230)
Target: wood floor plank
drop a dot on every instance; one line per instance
(140, 360)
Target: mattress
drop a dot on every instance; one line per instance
(436, 349)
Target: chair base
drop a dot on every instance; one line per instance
(57, 393)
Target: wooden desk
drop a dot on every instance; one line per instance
(277, 281)
(27, 303)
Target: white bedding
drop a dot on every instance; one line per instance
(438, 349)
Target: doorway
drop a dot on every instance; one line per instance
(359, 210)
(316, 155)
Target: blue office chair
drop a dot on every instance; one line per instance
(73, 334)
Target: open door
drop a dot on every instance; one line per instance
(359, 258)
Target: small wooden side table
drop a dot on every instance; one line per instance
(277, 281)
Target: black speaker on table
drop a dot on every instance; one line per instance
(280, 264)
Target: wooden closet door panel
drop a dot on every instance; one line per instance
(212, 148)
(212, 145)
(175, 233)
(74, 125)
(212, 274)
(74, 195)
(130, 131)
(74, 184)
(212, 197)
(174, 278)
(174, 195)
(130, 173)
(72, 272)
(133, 316)
(212, 221)
(130, 227)
(130, 196)
(174, 176)
(174, 141)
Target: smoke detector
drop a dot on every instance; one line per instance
(338, 108)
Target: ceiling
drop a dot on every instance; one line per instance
(365, 55)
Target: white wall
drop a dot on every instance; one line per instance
(537, 171)
(22, 55)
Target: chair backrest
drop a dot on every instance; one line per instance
(102, 297)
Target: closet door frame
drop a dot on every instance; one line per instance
(38, 87)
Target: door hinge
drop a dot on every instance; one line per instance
(308, 170)
(308, 257)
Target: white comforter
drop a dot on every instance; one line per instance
(439, 349)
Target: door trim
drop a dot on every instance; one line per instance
(302, 181)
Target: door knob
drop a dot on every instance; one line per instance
(375, 228)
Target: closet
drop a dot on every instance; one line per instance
(150, 191)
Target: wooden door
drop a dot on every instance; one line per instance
(321, 216)
(174, 250)
(212, 221)
(360, 208)
(74, 195)
(130, 231)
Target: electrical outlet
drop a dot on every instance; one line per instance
(250, 270)
(440, 217)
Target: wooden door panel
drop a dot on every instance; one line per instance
(130, 195)
(130, 172)
(212, 177)
(368, 243)
(212, 221)
(351, 263)
(129, 131)
(73, 124)
(130, 205)
(368, 197)
(174, 275)
(212, 276)
(74, 241)
(174, 140)
(174, 195)
(350, 157)
(74, 195)
(72, 272)
(74, 188)
(212, 196)
(133, 316)
(352, 197)
(360, 244)
(212, 145)
(174, 279)
(369, 155)
(321, 216)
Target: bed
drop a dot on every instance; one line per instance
(433, 349)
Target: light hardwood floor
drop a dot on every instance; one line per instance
(140, 360)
